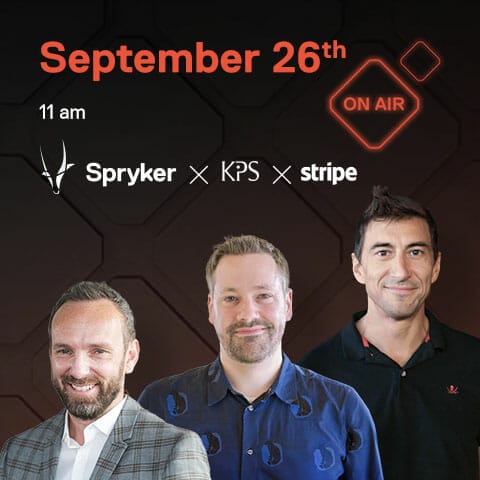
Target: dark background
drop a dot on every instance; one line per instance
(152, 241)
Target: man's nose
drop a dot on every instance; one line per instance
(247, 310)
(400, 267)
(80, 365)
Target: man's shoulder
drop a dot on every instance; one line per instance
(313, 388)
(44, 432)
(324, 350)
(310, 378)
(158, 447)
(330, 344)
(191, 378)
(37, 437)
(149, 424)
(458, 341)
(320, 386)
(459, 335)
(171, 392)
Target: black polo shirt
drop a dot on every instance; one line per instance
(427, 413)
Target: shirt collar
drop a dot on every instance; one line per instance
(437, 338)
(218, 385)
(103, 425)
(285, 387)
(353, 346)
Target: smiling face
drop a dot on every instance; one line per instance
(248, 307)
(397, 267)
(89, 358)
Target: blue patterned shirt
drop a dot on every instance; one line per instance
(305, 426)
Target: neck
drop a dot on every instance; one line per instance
(77, 426)
(398, 339)
(252, 379)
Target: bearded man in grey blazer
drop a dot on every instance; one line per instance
(102, 433)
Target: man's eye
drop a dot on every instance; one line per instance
(264, 296)
(100, 351)
(381, 253)
(229, 299)
(416, 252)
(62, 351)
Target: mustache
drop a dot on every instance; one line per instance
(231, 329)
(79, 381)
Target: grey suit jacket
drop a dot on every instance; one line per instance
(140, 446)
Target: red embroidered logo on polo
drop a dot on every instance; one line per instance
(452, 390)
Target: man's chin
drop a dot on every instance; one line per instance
(85, 411)
(249, 352)
(400, 310)
(400, 315)
(87, 408)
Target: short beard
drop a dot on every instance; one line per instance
(88, 409)
(251, 349)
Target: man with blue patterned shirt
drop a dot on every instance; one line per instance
(259, 415)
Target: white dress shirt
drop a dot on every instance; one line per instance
(76, 462)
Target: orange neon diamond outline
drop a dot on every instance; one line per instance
(356, 134)
(432, 52)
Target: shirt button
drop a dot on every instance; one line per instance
(251, 408)
(250, 451)
(404, 373)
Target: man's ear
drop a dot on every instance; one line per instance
(131, 358)
(210, 308)
(436, 267)
(289, 304)
(357, 270)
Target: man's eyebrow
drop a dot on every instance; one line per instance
(389, 245)
(419, 244)
(266, 286)
(228, 289)
(380, 245)
(105, 345)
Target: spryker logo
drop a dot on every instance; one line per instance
(56, 181)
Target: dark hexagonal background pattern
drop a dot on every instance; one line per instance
(152, 241)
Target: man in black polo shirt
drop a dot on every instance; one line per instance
(420, 378)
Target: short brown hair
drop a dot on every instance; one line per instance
(244, 245)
